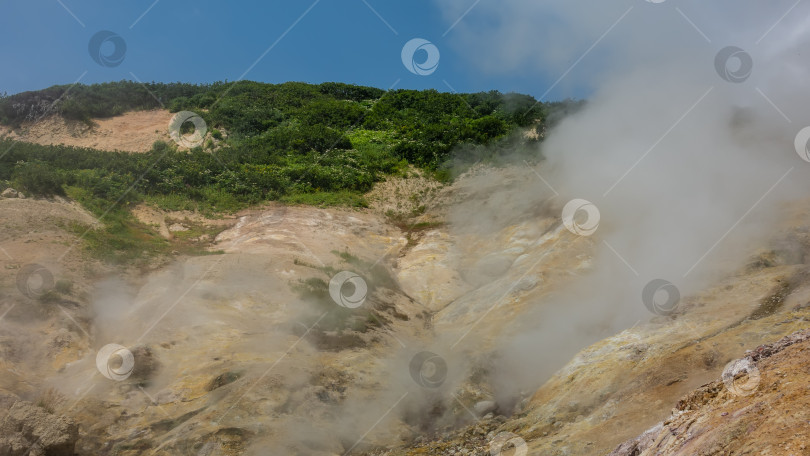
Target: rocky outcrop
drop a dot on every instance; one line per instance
(769, 415)
(29, 430)
(255, 352)
(10, 193)
(635, 446)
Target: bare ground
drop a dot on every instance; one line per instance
(134, 131)
(610, 392)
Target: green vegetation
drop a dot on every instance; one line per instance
(299, 143)
(37, 178)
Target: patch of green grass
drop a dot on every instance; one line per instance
(326, 269)
(203, 252)
(220, 200)
(122, 239)
(423, 226)
(180, 202)
(361, 138)
(374, 273)
(342, 198)
(349, 258)
(172, 202)
(340, 320)
(195, 230)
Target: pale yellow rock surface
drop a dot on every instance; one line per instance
(238, 356)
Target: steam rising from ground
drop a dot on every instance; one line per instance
(688, 170)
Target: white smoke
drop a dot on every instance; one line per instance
(688, 170)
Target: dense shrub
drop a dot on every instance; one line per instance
(282, 139)
(333, 113)
(266, 120)
(37, 179)
(352, 92)
(299, 143)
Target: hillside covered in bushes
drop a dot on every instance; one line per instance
(323, 144)
(282, 139)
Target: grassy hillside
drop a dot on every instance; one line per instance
(315, 144)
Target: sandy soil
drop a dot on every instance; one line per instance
(235, 313)
(762, 411)
(132, 132)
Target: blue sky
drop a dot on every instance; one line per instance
(46, 43)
